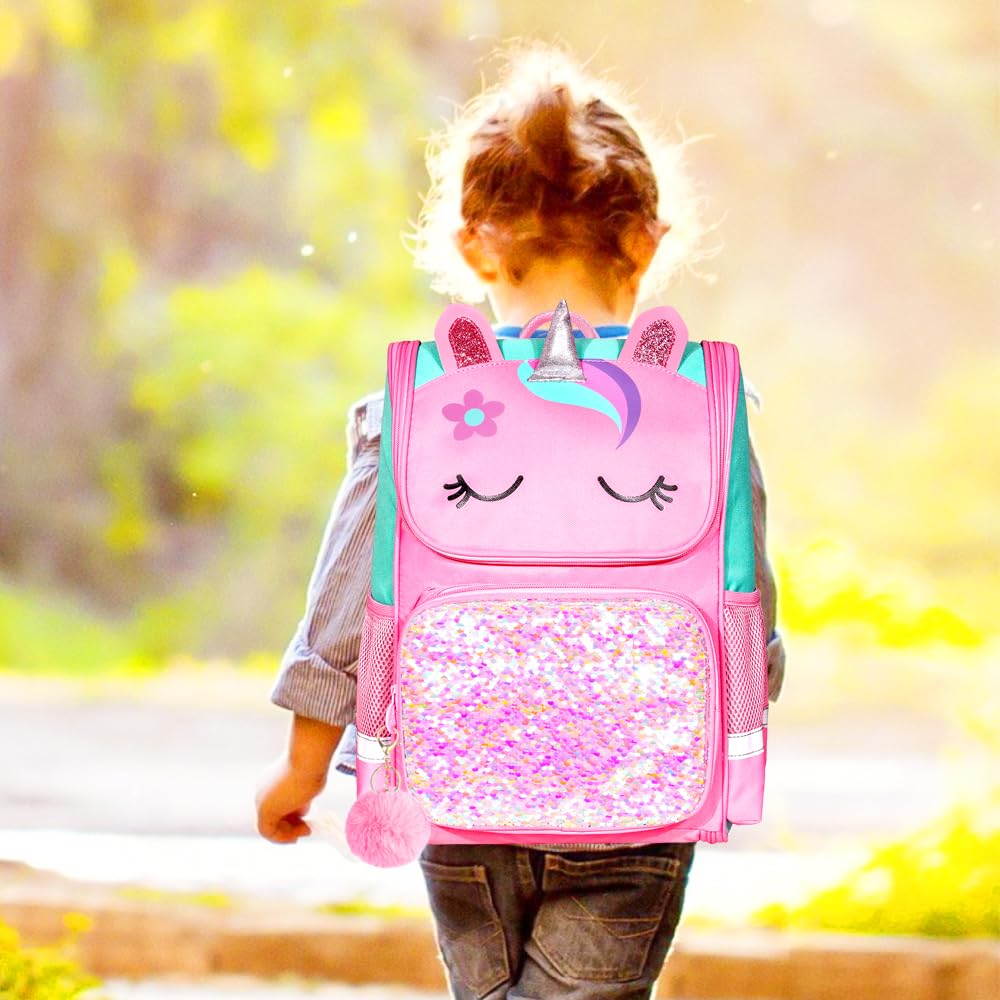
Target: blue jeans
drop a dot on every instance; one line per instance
(514, 923)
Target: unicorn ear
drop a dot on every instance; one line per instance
(464, 337)
(657, 337)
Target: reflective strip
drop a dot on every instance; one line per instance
(369, 749)
(764, 718)
(746, 744)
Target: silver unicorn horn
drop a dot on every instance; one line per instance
(559, 361)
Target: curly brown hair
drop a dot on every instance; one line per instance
(552, 163)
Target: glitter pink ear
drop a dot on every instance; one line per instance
(657, 337)
(464, 338)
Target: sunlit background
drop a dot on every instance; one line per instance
(201, 264)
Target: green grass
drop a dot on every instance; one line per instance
(361, 907)
(43, 634)
(216, 900)
(48, 972)
(944, 881)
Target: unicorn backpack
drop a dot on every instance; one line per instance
(563, 641)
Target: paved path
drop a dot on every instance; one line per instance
(173, 766)
(158, 786)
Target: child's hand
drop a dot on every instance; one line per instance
(284, 794)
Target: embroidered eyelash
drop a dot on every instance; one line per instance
(655, 493)
(464, 490)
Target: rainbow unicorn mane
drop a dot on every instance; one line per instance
(608, 388)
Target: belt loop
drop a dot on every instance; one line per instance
(525, 873)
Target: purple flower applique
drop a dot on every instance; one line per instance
(473, 415)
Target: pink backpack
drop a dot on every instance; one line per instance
(563, 641)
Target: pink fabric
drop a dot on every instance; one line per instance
(745, 801)
(578, 520)
(659, 336)
(462, 335)
(363, 777)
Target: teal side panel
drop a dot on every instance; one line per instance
(739, 548)
(739, 570)
(692, 364)
(385, 511)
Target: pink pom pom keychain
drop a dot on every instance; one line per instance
(387, 826)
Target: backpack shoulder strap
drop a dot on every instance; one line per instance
(722, 381)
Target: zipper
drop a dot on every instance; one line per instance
(560, 832)
(435, 595)
(561, 560)
(390, 711)
(430, 593)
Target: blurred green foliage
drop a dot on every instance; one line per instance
(361, 907)
(204, 204)
(43, 634)
(226, 269)
(148, 894)
(943, 881)
(44, 973)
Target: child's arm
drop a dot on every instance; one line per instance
(765, 581)
(318, 673)
(288, 786)
(317, 679)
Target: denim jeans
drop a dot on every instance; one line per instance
(514, 923)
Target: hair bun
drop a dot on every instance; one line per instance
(551, 148)
(544, 134)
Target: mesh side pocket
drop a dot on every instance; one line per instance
(746, 663)
(375, 667)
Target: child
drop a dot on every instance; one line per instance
(537, 165)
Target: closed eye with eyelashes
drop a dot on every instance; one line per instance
(656, 494)
(464, 490)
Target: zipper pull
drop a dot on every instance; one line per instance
(390, 711)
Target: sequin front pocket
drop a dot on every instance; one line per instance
(540, 710)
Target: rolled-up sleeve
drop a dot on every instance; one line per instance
(765, 581)
(317, 677)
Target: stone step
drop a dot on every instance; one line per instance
(137, 938)
(248, 988)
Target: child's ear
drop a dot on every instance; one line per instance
(465, 338)
(640, 240)
(470, 246)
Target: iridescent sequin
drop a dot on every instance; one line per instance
(554, 712)
(655, 344)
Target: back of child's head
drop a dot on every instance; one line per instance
(551, 163)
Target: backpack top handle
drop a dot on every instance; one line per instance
(579, 323)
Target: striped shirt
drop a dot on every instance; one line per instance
(317, 676)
